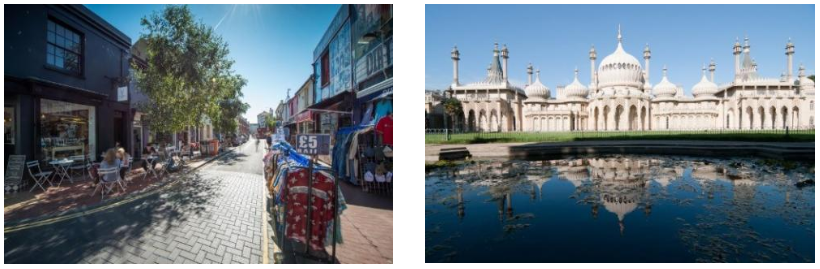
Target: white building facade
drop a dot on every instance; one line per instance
(620, 98)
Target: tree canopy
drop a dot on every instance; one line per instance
(188, 75)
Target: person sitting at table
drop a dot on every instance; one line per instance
(150, 151)
(110, 160)
(123, 157)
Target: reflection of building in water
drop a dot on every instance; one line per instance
(574, 171)
(460, 197)
(620, 184)
(538, 174)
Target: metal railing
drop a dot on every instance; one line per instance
(444, 136)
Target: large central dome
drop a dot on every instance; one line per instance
(620, 68)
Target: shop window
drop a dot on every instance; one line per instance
(63, 48)
(8, 125)
(66, 129)
(325, 69)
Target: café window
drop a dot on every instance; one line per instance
(67, 129)
(63, 48)
(8, 125)
(325, 69)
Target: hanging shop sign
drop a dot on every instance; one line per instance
(313, 144)
(122, 94)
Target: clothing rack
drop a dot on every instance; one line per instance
(281, 174)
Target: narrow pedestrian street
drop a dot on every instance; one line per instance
(210, 215)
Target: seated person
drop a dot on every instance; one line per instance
(123, 157)
(110, 160)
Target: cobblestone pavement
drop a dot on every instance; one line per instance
(212, 215)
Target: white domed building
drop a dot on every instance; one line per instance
(620, 97)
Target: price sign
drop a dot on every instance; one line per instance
(313, 144)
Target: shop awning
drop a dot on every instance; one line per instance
(306, 115)
(387, 83)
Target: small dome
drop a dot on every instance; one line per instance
(537, 89)
(576, 89)
(704, 88)
(665, 88)
(807, 85)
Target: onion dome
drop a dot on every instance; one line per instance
(537, 89)
(576, 89)
(704, 88)
(665, 88)
(620, 68)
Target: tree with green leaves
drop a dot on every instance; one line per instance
(452, 107)
(811, 77)
(188, 75)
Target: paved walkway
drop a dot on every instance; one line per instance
(800, 150)
(367, 227)
(212, 215)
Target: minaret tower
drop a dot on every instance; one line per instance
(592, 56)
(712, 70)
(646, 55)
(789, 55)
(529, 74)
(455, 56)
(736, 52)
(505, 54)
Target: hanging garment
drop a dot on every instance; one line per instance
(367, 117)
(383, 108)
(297, 206)
(385, 129)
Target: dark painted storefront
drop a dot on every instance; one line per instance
(64, 68)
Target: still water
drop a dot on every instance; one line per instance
(621, 209)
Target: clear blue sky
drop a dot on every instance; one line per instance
(557, 38)
(271, 44)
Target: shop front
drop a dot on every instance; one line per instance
(67, 129)
(46, 121)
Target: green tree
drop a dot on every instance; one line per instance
(225, 118)
(452, 107)
(811, 77)
(188, 75)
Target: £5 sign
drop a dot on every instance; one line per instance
(313, 144)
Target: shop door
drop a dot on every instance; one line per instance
(119, 129)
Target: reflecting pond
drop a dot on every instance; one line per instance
(621, 209)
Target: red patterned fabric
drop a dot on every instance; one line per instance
(295, 196)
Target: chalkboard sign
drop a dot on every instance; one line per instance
(14, 172)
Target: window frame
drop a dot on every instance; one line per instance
(325, 60)
(79, 53)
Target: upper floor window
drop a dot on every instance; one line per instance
(63, 48)
(326, 69)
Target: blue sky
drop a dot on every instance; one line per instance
(557, 38)
(271, 44)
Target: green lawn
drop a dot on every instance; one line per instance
(725, 135)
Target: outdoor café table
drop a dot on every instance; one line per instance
(151, 160)
(61, 169)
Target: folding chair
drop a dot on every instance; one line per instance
(79, 164)
(107, 185)
(39, 177)
(130, 168)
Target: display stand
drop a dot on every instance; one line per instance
(305, 251)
